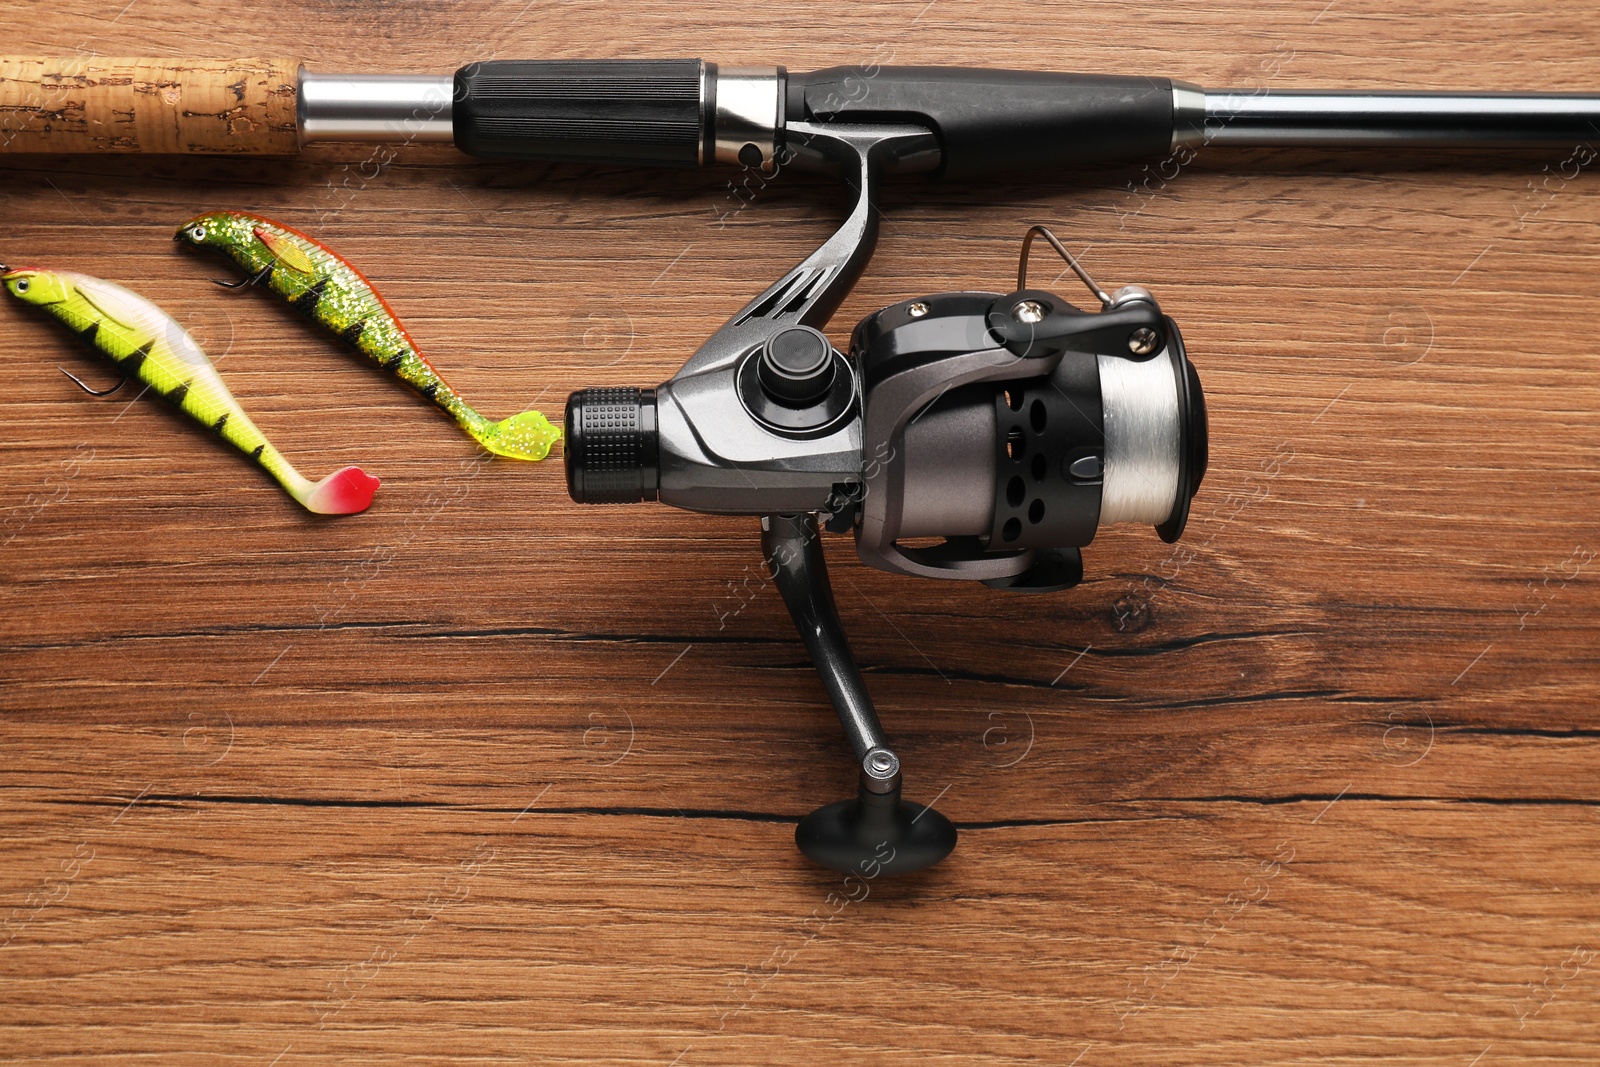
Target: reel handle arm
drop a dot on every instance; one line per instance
(793, 549)
(878, 832)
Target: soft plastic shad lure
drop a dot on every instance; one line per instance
(319, 282)
(144, 341)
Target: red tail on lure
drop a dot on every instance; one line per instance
(344, 492)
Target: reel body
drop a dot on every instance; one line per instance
(1014, 426)
(969, 436)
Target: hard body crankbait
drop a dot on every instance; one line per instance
(145, 341)
(315, 279)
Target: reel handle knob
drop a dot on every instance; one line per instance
(877, 833)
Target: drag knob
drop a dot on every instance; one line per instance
(796, 367)
(612, 451)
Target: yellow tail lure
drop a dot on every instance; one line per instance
(144, 341)
(323, 285)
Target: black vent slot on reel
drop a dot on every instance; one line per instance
(1049, 456)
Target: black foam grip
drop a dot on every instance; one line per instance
(611, 445)
(624, 111)
(998, 121)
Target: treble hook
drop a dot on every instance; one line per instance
(93, 392)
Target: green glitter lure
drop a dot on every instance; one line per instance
(319, 282)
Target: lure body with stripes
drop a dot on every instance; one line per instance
(317, 281)
(145, 342)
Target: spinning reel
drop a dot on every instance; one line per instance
(1008, 427)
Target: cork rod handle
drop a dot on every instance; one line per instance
(185, 106)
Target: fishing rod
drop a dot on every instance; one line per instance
(979, 436)
(689, 112)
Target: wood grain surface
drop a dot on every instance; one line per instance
(484, 776)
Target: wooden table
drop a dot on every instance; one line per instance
(485, 776)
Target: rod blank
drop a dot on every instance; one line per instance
(1342, 119)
